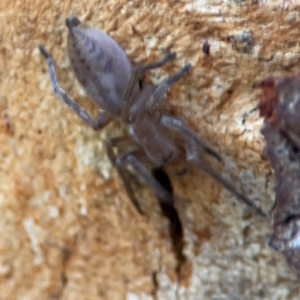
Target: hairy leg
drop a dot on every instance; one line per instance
(135, 159)
(176, 125)
(157, 180)
(123, 173)
(137, 75)
(153, 102)
(101, 121)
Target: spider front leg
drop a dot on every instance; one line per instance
(157, 180)
(153, 104)
(101, 121)
(154, 101)
(135, 159)
(118, 163)
(137, 75)
(191, 139)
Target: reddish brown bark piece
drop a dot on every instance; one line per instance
(269, 101)
(281, 107)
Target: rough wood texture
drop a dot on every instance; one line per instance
(68, 230)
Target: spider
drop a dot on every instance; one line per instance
(158, 137)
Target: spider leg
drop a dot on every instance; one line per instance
(153, 104)
(157, 180)
(227, 184)
(156, 96)
(101, 121)
(137, 75)
(175, 124)
(134, 159)
(160, 184)
(123, 173)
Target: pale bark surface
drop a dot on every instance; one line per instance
(68, 230)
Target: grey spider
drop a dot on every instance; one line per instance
(158, 138)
